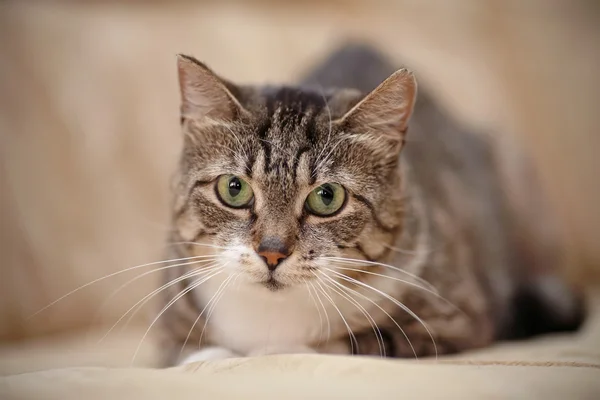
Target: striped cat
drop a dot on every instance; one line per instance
(307, 219)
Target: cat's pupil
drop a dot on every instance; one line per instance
(235, 187)
(326, 195)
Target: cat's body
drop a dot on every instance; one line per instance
(426, 212)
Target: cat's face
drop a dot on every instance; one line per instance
(278, 180)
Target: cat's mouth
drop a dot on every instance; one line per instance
(273, 284)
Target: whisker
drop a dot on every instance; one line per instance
(140, 303)
(110, 276)
(324, 310)
(235, 281)
(393, 300)
(207, 305)
(364, 312)
(114, 293)
(311, 296)
(194, 285)
(242, 148)
(212, 308)
(384, 276)
(382, 310)
(363, 262)
(352, 337)
(455, 307)
(326, 158)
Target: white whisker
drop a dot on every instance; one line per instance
(326, 158)
(110, 276)
(382, 310)
(352, 337)
(314, 301)
(219, 294)
(187, 338)
(114, 292)
(191, 287)
(436, 294)
(235, 281)
(357, 261)
(242, 148)
(393, 300)
(340, 290)
(324, 310)
(140, 303)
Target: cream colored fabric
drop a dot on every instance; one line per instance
(557, 367)
(306, 377)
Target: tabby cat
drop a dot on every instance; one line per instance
(305, 220)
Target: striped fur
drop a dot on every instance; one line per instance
(429, 203)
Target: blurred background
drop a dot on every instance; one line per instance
(89, 128)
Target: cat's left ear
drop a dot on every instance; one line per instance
(384, 113)
(204, 94)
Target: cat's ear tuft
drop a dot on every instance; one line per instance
(384, 113)
(203, 93)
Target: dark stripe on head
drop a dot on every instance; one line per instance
(265, 144)
(370, 206)
(263, 131)
(250, 164)
(311, 129)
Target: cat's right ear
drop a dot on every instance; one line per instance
(203, 94)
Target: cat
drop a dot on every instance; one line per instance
(307, 219)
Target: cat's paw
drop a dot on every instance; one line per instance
(272, 350)
(209, 354)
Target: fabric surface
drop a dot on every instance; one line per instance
(553, 367)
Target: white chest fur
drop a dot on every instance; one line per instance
(249, 317)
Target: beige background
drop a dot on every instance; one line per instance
(89, 124)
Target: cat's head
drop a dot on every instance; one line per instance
(275, 180)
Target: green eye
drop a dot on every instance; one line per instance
(326, 200)
(234, 192)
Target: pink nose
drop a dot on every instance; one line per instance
(273, 251)
(272, 258)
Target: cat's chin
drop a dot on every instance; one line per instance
(273, 285)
